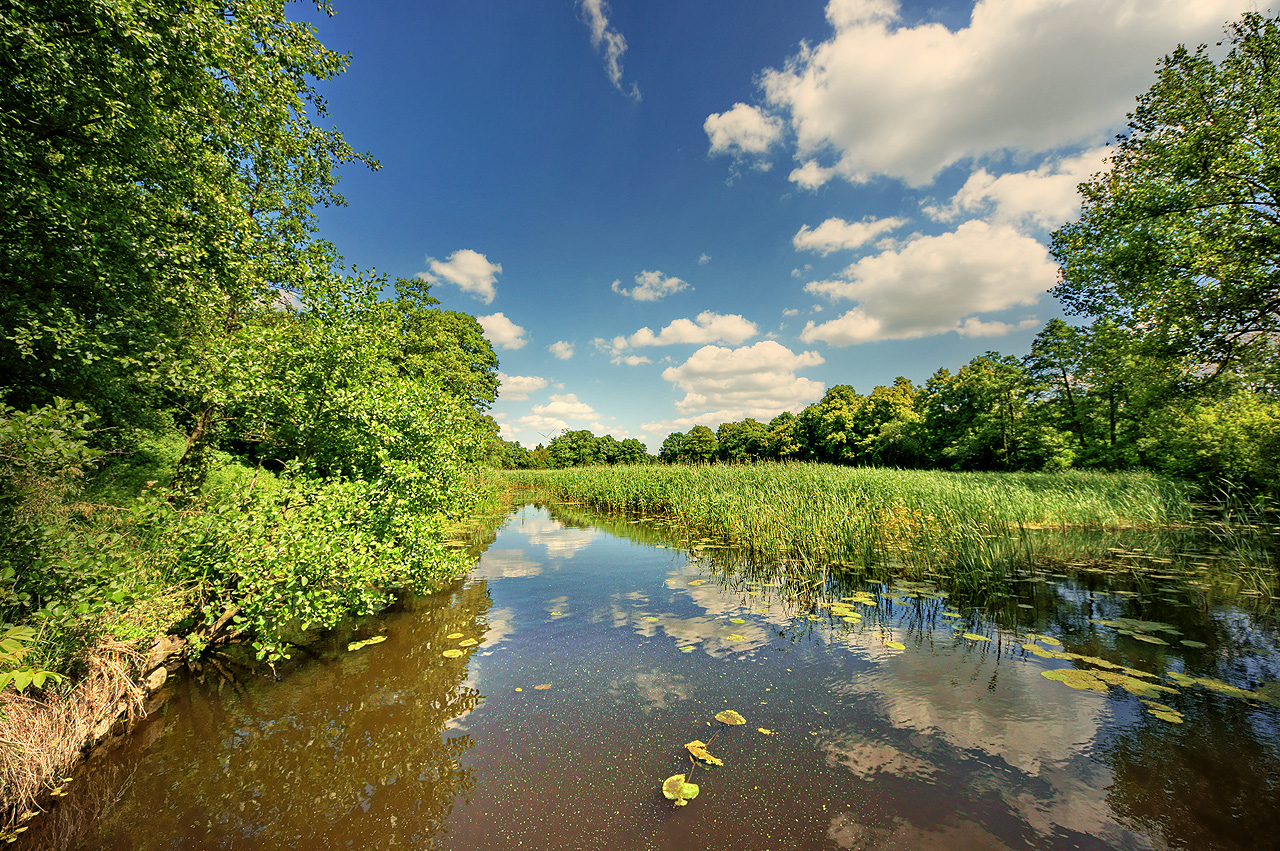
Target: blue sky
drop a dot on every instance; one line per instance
(670, 212)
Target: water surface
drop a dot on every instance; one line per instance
(878, 717)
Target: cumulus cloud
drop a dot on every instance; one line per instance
(562, 349)
(750, 381)
(709, 327)
(742, 130)
(651, 286)
(516, 388)
(608, 41)
(502, 332)
(932, 283)
(838, 235)
(704, 259)
(468, 270)
(975, 327)
(564, 406)
(880, 97)
(810, 175)
(631, 360)
(1045, 197)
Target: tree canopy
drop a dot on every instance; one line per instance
(1179, 239)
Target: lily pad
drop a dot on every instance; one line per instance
(974, 637)
(1037, 650)
(675, 789)
(896, 645)
(452, 654)
(1076, 679)
(697, 582)
(699, 750)
(542, 687)
(468, 642)
(1198, 645)
(952, 615)
(736, 620)
(764, 730)
(1049, 640)
(651, 619)
(356, 645)
(453, 635)
(733, 719)
(735, 637)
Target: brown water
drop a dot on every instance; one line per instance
(599, 655)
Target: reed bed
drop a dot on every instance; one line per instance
(972, 525)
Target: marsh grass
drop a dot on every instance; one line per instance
(976, 528)
(41, 737)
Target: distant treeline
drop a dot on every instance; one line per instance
(1086, 397)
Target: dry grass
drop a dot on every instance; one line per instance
(42, 738)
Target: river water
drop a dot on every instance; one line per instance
(592, 651)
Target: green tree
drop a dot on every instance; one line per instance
(159, 169)
(699, 445)
(578, 448)
(1179, 239)
(742, 441)
(669, 453)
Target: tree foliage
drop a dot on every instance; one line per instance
(1179, 239)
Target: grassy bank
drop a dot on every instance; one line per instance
(971, 525)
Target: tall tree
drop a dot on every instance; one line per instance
(1179, 238)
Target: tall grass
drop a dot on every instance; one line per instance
(967, 524)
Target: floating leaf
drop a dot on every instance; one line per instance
(687, 649)
(453, 635)
(1171, 717)
(1075, 678)
(451, 654)
(736, 620)
(675, 789)
(698, 582)
(543, 687)
(1150, 639)
(1198, 645)
(728, 716)
(699, 750)
(468, 642)
(972, 637)
(896, 645)
(1133, 685)
(651, 619)
(1038, 651)
(356, 645)
(765, 731)
(952, 615)
(1045, 639)
(733, 636)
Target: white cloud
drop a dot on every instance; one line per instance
(932, 283)
(704, 259)
(468, 270)
(544, 425)
(838, 235)
(710, 327)
(975, 327)
(790, 311)
(607, 40)
(879, 97)
(1045, 197)
(651, 286)
(565, 406)
(502, 332)
(631, 360)
(756, 381)
(742, 130)
(810, 175)
(516, 388)
(562, 349)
